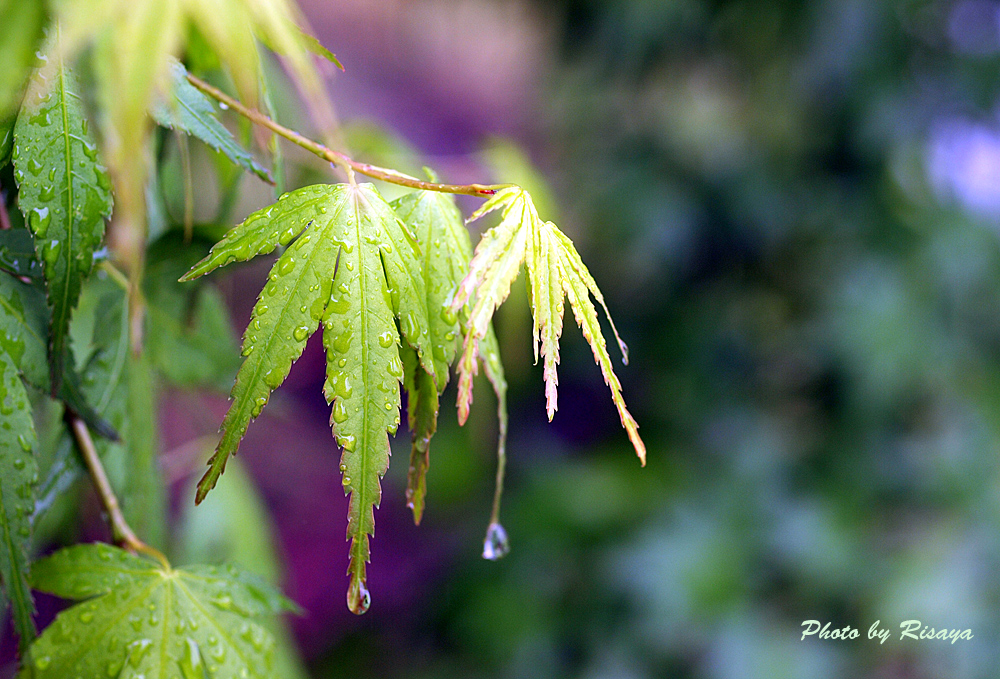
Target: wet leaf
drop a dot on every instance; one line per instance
(140, 618)
(555, 271)
(188, 110)
(355, 268)
(64, 194)
(446, 250)
(18, 476)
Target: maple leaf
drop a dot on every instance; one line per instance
(446, 250)
(143, 619)
(355, 269)
(555, 272)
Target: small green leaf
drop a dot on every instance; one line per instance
(18, 476)
(64, 194)
(189, 111)
(356, 269)
(555, 271)
(317, 48)
(423, 403)
(143, 619)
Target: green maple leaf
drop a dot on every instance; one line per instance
(64, 194)
(555, 272)
(188, 110)
(446, 250)
(354, 268)
(143, 619)
(18, 475)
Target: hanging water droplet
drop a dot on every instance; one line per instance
(339, 411)
(496, 545)
(358, 597)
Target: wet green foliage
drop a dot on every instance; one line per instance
(139, 618)
(96, 328)
(63, 191)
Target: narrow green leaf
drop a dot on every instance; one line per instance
(546, 307)
(20, 33)
(446, 252)
(264, 230)
(317, 48)
(357, 268)
(286, 314)
(435, 221)
(494, 267)
(143, 619)
(189, 111)
(64, 194)
(422, 412)
(577, 290)
(24, 321)
(18, 476)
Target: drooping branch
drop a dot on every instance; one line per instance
(338, 158)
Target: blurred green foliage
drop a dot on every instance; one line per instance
(814, 330)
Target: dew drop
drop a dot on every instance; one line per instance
(39, 220)
(358, 597)
(300, 333)
(386, 339)
(339, 411)
(190, 662)
(496, 545)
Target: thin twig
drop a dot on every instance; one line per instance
(120, 529)
(338, 158)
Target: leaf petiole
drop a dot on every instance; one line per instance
(122, 532)
(336, 157)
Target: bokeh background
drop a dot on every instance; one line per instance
(793, 209)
